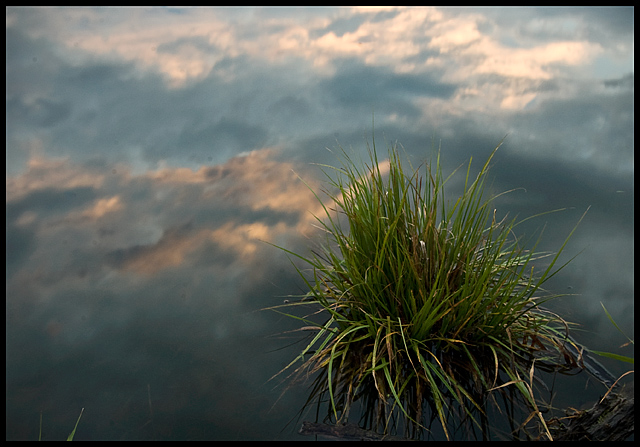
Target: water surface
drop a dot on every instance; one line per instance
(152, 153)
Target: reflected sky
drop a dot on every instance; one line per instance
(151, 153)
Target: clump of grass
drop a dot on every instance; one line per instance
(431, 307)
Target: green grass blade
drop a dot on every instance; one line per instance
(73, 433)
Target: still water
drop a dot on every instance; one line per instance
(153, 155)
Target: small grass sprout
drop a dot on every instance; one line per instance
(431, 308)
(71, 435)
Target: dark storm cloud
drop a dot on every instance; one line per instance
(602, 24)
(41, 113)
(178, 45)
(290, 107)
(50, 201)
(342, 25)
(625, 83)
(597, 127)
(365, 87)
(608, 20)
(100, 96)
(24, 59)
(109, 112)
(232, 136)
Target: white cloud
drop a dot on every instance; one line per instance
(192, 45)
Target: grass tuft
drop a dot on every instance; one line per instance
(431, 308)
